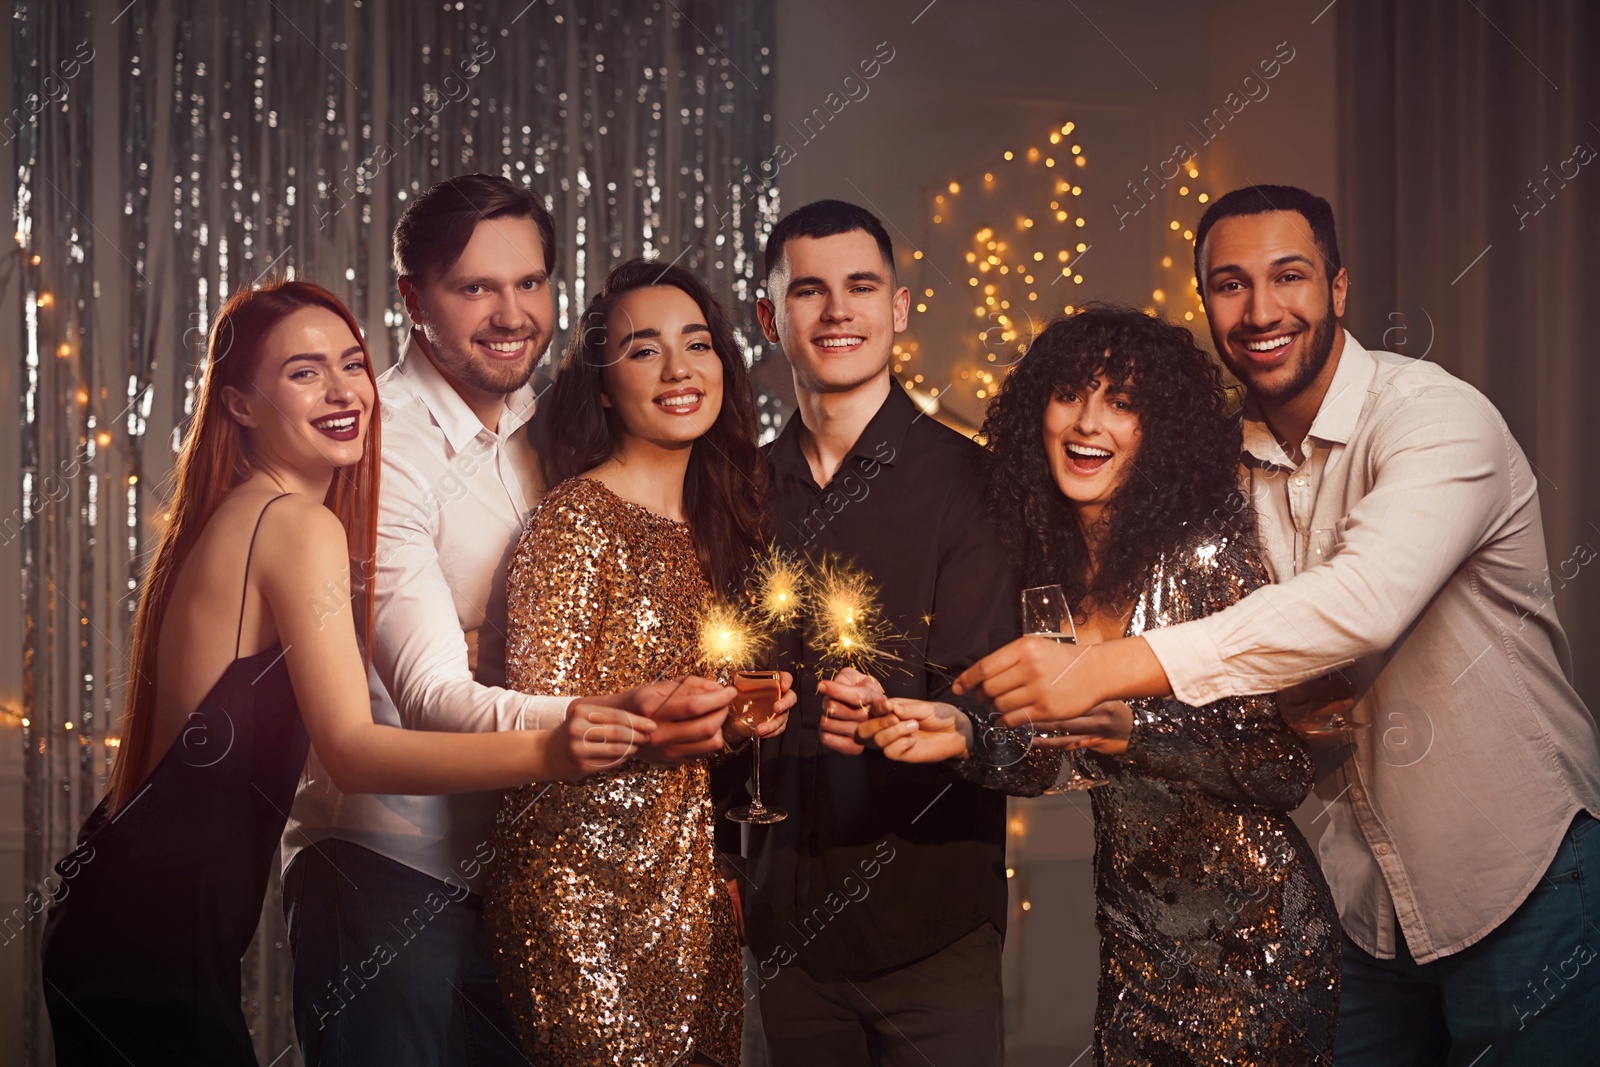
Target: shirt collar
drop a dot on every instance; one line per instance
(887, 427)
(454, 417)
(1336, 419)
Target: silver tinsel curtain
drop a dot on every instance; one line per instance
(167, 152)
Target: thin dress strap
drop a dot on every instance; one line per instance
(239, 636)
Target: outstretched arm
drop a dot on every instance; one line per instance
(302, 557)
(1035, 681)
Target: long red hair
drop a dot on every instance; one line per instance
(214, 459)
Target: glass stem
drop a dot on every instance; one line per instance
(755, 772)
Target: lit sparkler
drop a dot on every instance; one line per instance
(780, 583)
(849, 625)
(729, 641)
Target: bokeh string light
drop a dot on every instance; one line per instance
(1006, 245)
(1187, 199)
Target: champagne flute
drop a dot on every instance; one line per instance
(756, 703)
(1045, 614)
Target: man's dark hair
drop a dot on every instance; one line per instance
(435, 229)
(1260, 199)
(827, 218)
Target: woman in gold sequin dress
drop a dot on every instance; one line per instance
(1115, 463)
(614, 935)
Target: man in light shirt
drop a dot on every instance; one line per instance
(1401, 522)
(381, 892)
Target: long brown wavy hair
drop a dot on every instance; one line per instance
(214, 458)
(725, 488)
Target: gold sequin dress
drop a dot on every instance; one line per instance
(611, 928)
(1219, 939)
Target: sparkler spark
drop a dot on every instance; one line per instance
(728, 641)
(850, 627)
(781, 592)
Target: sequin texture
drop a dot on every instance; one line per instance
(1219, 938)
(612, 931)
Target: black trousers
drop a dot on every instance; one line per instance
(945, 1009)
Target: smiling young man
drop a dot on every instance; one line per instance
(875, 911)
(381, 892)
(1401, 522)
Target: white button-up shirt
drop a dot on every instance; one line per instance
(453, 498)
(1410, 540)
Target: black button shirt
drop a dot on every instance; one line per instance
(880, 863)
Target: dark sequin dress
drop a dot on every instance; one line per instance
(1219, 941)
(611, 927)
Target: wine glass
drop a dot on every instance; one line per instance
(1045, 614)
(756, 703)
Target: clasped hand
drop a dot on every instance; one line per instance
(1023, 681)
(671, 721)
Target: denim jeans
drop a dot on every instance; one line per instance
(390, 966)
(1528, 994)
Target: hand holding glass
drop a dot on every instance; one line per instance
(1045, 614)
(756, 704)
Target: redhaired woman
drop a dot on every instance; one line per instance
(245, 653)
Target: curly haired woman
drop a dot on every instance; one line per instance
(1114, 474)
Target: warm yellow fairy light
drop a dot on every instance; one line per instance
(955, 187)
(45, 300)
